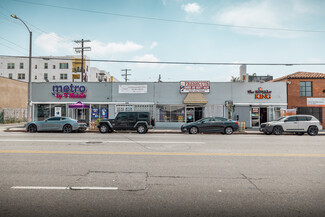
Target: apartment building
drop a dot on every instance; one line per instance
(45, 68)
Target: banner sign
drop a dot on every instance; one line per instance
(132, 88)
(195, 86)
(94, 112)
(316, 102)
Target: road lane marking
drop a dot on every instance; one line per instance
(62, 188)
(160, 153)
(103, 141)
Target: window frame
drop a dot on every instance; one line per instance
(11, 66)
(303, 88)
(21, 76)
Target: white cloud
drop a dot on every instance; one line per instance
(261, 14)
(54, 44)
(192, 8)
(153, 45)
(101, 48)
(147, 58)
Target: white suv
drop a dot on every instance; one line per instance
(298, 124)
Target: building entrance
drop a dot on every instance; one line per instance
(193, 113)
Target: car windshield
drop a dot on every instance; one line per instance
(280, 119)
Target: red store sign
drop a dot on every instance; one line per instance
(260, 93)
(195, 86)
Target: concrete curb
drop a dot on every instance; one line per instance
(170, 132)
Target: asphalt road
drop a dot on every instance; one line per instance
(124, 174)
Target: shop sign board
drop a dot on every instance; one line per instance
(132, 88)
(69, 91)
(316, 102)
(195, 86)
(260, 93)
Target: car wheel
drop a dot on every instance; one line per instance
(67, 128)
(312, 131)
(193, 130)
(277, 130)
(103, 128)
(267, 133)
(300, 133)
(32, 128)
(229, 130)
(141, 129)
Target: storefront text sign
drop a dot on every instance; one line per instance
(69, 91)
(132, 89)
(316, 102)
(195, 86)
(260, 93)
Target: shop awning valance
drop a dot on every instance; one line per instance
(195, 98)
(78, 105)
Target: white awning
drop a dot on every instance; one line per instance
(260, 104)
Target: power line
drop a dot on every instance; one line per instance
(171, 20)
(177, 62)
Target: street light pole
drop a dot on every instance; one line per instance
(29, 110)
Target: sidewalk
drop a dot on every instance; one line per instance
(19, 127)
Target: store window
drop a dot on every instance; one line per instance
(62, 111)
(314, 111)
(170, 113)
(306, 88)
(41, 112)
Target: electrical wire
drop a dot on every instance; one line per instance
(171, 20)
(173, 62)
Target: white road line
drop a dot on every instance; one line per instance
(90, 141)
(62, 188)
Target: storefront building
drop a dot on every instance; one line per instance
(171, 103)
(306, 93)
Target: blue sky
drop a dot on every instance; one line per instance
(117, 33)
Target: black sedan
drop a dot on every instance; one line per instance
(211, 125)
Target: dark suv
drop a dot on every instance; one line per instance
(140, 121)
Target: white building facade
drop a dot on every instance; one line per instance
(45, 68)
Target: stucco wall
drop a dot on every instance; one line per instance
(13, 93)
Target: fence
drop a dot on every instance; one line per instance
(1, 117)
(11, 115)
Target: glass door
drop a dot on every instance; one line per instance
(255, 117)
(190, 114)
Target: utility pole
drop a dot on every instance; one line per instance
(82, 49)
(126, 74)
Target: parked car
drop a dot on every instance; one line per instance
(298, 124)
(211, 124)
(139, 121)
(64, 124)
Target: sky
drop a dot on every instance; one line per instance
(201, 31)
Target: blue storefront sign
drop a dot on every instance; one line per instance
(104, 113)
(94, 112)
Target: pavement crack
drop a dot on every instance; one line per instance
(250, 181)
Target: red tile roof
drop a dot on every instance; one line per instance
(301, 75)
